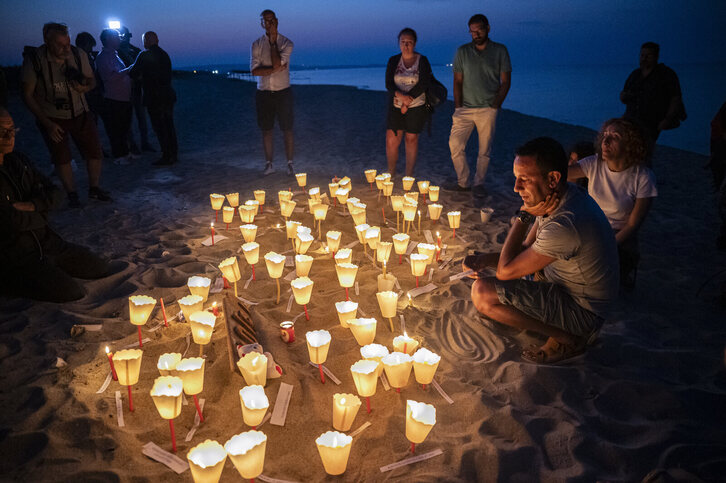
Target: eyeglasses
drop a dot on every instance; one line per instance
(8, 133)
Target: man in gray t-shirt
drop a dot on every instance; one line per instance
(482, 76)
(570, 242)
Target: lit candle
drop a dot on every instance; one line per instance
(387, 302)
(418, 265)
(398, 368)
(190, 304)
(344, 255)
(249, 232)
(318, 345)
(251, 251)
(260, 197)
(302, 179)
(253, 368)
(364, 330)
(420, 418)
(206, 461)
(332, 239)
(166, 394)
(110, 361)
(365, 376)
(247, 213)
(345, 409)
(140, 308)
(346, 310)
(397, 205)
(247, 452)
(334, 449)
(419, 222)
(191, 372)
(217, 201)
(254, 404)
(409, 213)
(215, 309)
(212, 228)
(438, 246)
(303, 263)
(303, 240)
(386, 281)
(227, 215)
(454, 220)
(254, 205)
(287, 207)
(346, 275)
(383, 252)
(400, 245)
(167, 363)
(357, 212)
(407, 182)
(230, 270)
(370, 176)
(425, 364)
(314, 193)
(435, 211)
(405, 344)
(428, 250)
(127, 363)
(202, 325)
(433, 193)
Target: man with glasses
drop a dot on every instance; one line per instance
(34, 261)
(270, 62)
(55, 78)
(482, 77)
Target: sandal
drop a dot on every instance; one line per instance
(553, 352)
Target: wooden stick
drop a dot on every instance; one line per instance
(230, 339)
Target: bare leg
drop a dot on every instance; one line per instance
(289, 145)
(65, 173)
(393, 142)
(411, 152)
(94, 172)
(484, 296)
(267, 144)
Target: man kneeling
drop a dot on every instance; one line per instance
(34, 261)
(571, 249)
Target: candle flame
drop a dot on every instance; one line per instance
(405, 334)
(342, 401)
(212, 224)
(107, 351)
(254, 361)
(214, 304)
(437, 234)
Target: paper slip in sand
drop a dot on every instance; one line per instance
(351, 244)
(178, 465)
(218, 285)
(267, 479)
(185, 401)
(371, 258)
(91, 327)
(191, 432)
(247, 283)
(248, 302)
(442, 392)
(279, 412)
(411, 247)
(357, 290)
(297, 317)
(411, 460)
(360, 430)
(189, 341)
(422, 290)
(155, 328)
(445, 263)
(136, 344)
(398, 285)
(461, 275)
(290, 276)
(431, 274)
(462, 239)
(384, 381)
(265, 419)
(429, 237)
(105, 383)
(119, 410)
(403, 323)
(207, 242)
(289, 303)
(327, 373)
(298, 210)
(360, 311)
(289, 261)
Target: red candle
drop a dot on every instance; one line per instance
(110, 361)
(215, 310)
(163, 312)
(212, 226)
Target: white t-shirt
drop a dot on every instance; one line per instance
(616, 191)
(406, 78)
(261, 55)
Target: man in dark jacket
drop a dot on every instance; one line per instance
(153, 67)
(34, 261)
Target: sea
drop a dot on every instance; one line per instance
(584, 95)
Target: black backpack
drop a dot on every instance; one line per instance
(435, 94)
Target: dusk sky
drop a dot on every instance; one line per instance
(355, 32)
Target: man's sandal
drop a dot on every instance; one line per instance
(553, 352)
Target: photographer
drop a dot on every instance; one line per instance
(54, 80)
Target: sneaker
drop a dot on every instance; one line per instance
(456, 187)
(122, 161)
(268, 169)
(290, 169)
(73, 201)
(96, 193)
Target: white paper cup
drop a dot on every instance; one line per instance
(486, 214)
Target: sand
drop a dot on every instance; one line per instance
(646, 402)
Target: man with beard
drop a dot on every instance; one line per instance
(570, 243)
(482, 77)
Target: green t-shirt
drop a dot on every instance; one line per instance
(482, 71)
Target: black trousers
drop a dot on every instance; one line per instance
(162, 120)
(116, 117)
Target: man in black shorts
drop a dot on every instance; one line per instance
(270, 62)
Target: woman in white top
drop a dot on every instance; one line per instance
(408, 75)
(621, 184)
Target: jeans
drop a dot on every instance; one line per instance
(463, 122)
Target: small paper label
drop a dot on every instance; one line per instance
(445, 263)
(461, 275)
(441, 391)
(207, 242)
(156, 327)
(428, 236)
(247, 283)
(289, 261)
(105, 383)
(217, 286)
(248, 302)
(360, 429)
(191, 432)
(384, 381)
(119, 410)
(327, 373)
(279, 412)
(360, 311)
(291, 275)
(289, 303)
(178, 465)
(189, 341)
(357, 291)
(351, 244)
(403, 323)
(91, 327)
(431, 273)
(462, 239)
(136, 344)
(411, 460)
(411, 247)
(298, 210)
(398, 285)
(422, 290)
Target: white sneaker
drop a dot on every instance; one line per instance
(290, 169)
(122, 161)
(268, 169)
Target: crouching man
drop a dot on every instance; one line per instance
(561, 235)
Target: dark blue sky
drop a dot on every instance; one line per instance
(327, 32)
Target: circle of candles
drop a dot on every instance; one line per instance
(303, 263)
(246, 213)
(332, 238)
(206, 461)
(344, 255)
(190, 304)
(398, 368)
(249, 232)
(433, 193)
(360, 230)
(167, 363)
(364, 330)
(233, 199)
(370, 175)
(255, 205)
(425, 364)
(407, 182)
(435, 211)
(420, 418)
(253, 368)
(199, 286)
(302, 179)
(374, 352)
(345, 409)
(217, 201)
(405, 344)
(247, 452)
(334, 449)
(254, 404)
(346, 310)
(202, 326)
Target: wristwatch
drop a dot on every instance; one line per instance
(524, 217)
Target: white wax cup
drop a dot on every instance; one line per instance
(435, 211)
(166, 394)
(345, 408)
(374, 352)
(253, 367)
(254, 204)
(201, 324)
(372, 236)
(303, 263)
(346, 273)
(254, 404)
(318, 345)
(191, 371)
(365, 376)
(387, 302)
(346, 310)
(249, 232)
(303, 242)
(190, 304)
(217, 201)
(434, 193)
(425, 364)
(259, 196)
(275, 264)
(344, 255)
(386, 282)
(418, 264)
(251, 251)
(360, 230)
(400, 243)
(206, 461)
(334, 449)
(167, 363)
(302, 289)
(454, 219)
(332, 238)
(247, 452)
(398, 368)
(199, 286)
(427, 249)
(420, 418)
(364, 330)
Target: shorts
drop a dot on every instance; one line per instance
(271, 104)
(82, 129)
(549, 303)
(412, 122)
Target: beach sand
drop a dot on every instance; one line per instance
(645, 402)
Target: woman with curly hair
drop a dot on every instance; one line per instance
(622, 186)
